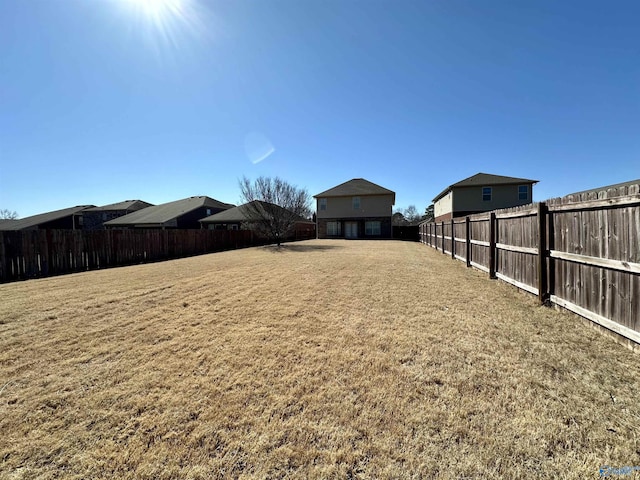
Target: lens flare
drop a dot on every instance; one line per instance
(166, 23)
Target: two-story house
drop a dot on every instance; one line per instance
(482, 192)
(355, 209)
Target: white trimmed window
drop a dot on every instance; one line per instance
(372, 228)
(356, 203)
(523, 192)
(322, 204)
(333, 228)
(486, 194)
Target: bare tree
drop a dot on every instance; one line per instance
(6, 214)
(398, 218)
(273, 206)
(408, 216)
(411, 215)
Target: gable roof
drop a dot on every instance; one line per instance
(35, 220)
(159, 214)
(126, 205)
(242, 213)
(484, 180)
(357, 187)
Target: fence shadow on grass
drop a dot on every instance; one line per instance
(297, 248)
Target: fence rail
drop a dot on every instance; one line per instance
(581, 252)
(42, 253)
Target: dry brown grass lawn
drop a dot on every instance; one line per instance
(326, 359)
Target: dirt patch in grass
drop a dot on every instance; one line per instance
(339, 359)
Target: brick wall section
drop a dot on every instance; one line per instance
(443, 218)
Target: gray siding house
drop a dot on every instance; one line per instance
(482, 192)
(355, 209)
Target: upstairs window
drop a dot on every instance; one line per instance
(323, 204)
(486, 194)
(523, 192)
(356, 203)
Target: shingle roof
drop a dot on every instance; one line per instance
(126, 205)
(485, 180)
(35, 220)
(159, 214)
(357, 187)
(241, 213)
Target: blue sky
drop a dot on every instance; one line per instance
(107, 100)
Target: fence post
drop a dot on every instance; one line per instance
(442, 236)
(468, 242)
(492, 245)
(453, 240)
(542, 253)
(551, 239)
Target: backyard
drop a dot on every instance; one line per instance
(321, 359)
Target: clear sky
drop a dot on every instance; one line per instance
(107, 100)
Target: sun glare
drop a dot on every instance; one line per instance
(166, 23)
(158, 8)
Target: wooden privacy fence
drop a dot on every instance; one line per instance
(41, 253)
(581, 252)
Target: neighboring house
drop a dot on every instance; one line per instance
(6, 222)
(66, 219)
(240, 218)
(355, 209)
(482, 192)
(184, 213)
(94, 218)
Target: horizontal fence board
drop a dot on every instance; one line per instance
(595, 261)
(480, 242)
(514, 248)
(480, 267)
(525, 213)
(590, 204)
(521, 285)
(599, 319)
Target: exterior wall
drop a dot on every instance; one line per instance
(95, 220)
(71, 222)
(385, 227)
(469, 199)
(443, 207)
(342, 207)
(192, 219)
(443, 218)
